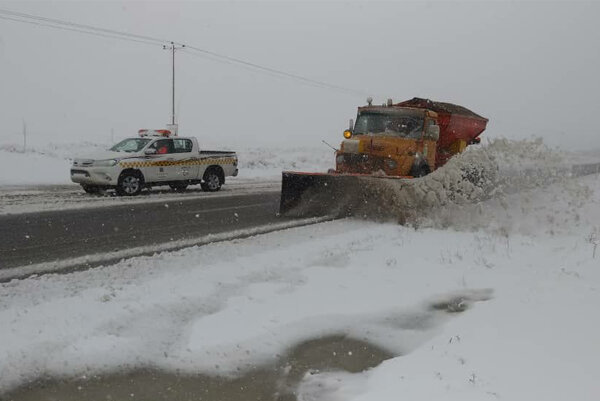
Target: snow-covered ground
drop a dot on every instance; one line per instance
(525, 265)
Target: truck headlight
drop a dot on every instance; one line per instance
(105, 163)
(339, 159)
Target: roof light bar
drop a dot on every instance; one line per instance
(155, 132)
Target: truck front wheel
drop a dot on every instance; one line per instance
(420, 170)
(130, 183)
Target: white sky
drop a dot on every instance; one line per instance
(531, 68)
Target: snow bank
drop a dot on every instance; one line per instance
(528, 331)
(492, 171)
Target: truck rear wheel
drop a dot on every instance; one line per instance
(213, 179)
(130, 184)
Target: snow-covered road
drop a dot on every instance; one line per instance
(37, 198)
(524, 265)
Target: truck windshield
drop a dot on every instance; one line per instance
(130, 145)
(404, 126)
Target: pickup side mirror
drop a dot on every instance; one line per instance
(150, 151)
(433, 132)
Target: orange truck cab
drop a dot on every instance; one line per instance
(407, 139)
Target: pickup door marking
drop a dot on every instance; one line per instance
(188, 162)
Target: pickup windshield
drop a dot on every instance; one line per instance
(404, 126)
(130, 145)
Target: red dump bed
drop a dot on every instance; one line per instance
(456, 123)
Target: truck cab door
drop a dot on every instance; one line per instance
(160, 166)
(187, 161)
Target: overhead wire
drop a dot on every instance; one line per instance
(60, 22)
(80, 31)
(150, 40)
(270, 71)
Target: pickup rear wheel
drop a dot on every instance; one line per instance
(130, 183)
(212, 180)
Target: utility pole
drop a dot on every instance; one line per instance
(173, 47)
(24, 136)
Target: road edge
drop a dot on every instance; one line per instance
(98, 259)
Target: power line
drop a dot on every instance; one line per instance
(149, 40)
(273, 71)
(64, 28)
(276, 73)
(55, 21)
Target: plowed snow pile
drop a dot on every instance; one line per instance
(494, 171)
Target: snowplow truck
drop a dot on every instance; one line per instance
(401, 141)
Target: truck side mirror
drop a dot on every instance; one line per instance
(351, 125)
(433, 132)
(150, 151)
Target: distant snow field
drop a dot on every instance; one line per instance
(50, 163)
(524, 267)
(32, 169)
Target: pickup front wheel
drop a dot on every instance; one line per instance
(130, 184)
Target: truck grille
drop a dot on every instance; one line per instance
(355, 158)
(359, 163)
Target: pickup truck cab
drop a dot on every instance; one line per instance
(153, 159)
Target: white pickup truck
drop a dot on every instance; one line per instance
(154, 159)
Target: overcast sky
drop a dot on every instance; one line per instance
(531, 68)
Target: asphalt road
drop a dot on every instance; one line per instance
(104, 225)
(33, 238)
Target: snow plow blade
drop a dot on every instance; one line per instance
(336, 195)
(316, 194)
